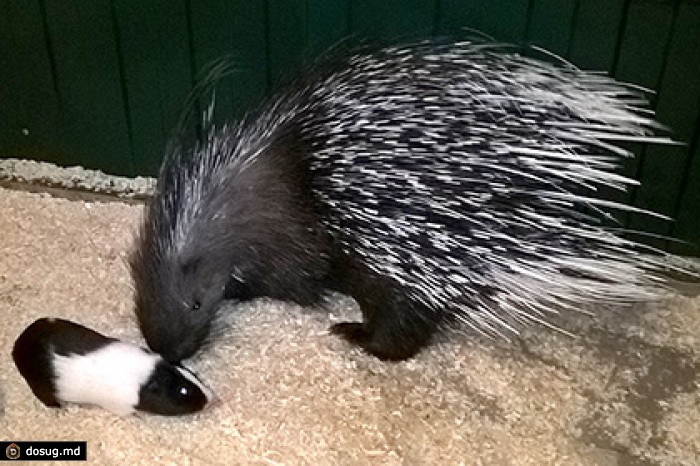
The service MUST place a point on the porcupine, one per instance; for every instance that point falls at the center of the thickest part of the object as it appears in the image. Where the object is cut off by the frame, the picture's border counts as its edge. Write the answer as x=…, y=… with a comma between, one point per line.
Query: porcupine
x=438, y=184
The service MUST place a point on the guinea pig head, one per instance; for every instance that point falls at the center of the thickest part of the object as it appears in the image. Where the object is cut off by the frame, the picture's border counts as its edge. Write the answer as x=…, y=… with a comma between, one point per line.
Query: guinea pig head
x=171, y=391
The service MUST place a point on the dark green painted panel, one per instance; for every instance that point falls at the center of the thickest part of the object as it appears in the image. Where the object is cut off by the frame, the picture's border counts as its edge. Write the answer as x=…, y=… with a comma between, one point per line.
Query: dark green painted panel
x=156, y=73
x=393, y=20
x=30, y=124
x=504, y=20
x=328, y=23
x=645, y=34
x=595, y=35
x=87, y=66
x=236, y=29
x=592, y=45
x=662, y=167
x=549, y=25
x=665, y=171
x=640, y=60
x=288, y=37
x=687, y=226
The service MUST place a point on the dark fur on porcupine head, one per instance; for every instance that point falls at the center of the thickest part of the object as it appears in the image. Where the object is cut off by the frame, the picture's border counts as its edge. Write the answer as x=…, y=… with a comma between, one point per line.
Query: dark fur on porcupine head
x=436, y=183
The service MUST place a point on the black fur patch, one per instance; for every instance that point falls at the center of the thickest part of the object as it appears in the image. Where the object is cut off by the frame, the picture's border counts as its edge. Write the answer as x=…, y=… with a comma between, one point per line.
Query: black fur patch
x=169, y=393
x=35, y=348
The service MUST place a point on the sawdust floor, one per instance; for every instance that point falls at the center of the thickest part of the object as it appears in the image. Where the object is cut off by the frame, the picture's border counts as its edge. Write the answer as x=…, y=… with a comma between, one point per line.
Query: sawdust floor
x=626, y=392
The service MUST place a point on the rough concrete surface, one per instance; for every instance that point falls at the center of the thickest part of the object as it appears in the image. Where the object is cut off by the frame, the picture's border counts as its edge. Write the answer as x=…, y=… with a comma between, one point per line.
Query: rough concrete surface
x=626, y=391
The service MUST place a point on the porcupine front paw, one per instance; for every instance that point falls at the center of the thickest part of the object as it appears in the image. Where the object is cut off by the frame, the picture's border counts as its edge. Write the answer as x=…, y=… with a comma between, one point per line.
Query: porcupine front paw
x=354, y=332
x=385, y=345
x=357, y=334
x=393, y=326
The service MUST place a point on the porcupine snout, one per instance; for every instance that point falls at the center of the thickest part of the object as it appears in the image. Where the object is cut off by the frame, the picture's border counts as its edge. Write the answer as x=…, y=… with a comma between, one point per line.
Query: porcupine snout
x=176, y=300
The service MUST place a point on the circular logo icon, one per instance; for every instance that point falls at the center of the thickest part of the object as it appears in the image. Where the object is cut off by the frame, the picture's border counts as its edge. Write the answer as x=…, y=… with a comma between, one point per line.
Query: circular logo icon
x=12, y=451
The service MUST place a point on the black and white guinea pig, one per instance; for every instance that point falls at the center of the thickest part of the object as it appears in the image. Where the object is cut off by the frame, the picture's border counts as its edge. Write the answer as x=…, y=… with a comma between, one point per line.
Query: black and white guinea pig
x=64, y=362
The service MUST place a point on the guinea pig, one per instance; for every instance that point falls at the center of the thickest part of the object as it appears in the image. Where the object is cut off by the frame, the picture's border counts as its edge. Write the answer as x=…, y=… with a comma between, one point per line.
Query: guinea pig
x=64, y=362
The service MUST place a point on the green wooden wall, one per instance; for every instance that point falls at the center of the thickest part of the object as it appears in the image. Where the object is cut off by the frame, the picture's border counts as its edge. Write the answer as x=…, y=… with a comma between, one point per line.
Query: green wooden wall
x=101, y=83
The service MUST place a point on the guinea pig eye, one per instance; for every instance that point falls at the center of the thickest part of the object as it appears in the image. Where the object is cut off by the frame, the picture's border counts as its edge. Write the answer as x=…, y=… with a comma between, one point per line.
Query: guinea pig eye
x=196, y=305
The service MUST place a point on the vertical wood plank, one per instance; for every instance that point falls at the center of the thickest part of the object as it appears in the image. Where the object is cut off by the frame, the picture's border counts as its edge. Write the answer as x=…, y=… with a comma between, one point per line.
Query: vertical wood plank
x=328, y=23
x=592, y=45
x=236, y=29
x=504, y=20
x=393, y=20
x=88, y=79
x=646, y=31
x=665, y=169
x=594, y=36
x=287, y=38
x=687, y=225
x=31, y=122
x=640, y=59
x=156, y=73
x=550, y=25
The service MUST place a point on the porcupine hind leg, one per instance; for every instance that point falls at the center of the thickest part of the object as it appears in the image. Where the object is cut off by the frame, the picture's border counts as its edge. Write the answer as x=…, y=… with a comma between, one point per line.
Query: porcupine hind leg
x=393, y=327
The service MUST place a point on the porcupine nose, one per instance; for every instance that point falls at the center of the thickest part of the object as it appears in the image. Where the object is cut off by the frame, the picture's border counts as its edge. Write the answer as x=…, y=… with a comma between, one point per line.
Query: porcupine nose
x=177, y=346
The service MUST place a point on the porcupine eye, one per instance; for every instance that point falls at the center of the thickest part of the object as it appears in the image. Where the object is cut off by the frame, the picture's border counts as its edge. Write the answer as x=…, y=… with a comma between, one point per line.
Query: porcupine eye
x=190, y=269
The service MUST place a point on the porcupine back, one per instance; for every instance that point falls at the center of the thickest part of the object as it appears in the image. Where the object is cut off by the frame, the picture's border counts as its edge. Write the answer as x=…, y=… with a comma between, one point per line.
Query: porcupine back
x=463, y=177
x=471, y=178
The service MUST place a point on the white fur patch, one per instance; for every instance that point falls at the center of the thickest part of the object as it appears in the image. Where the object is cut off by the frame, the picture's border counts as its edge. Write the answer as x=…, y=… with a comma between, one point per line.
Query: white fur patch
x=110, y=377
